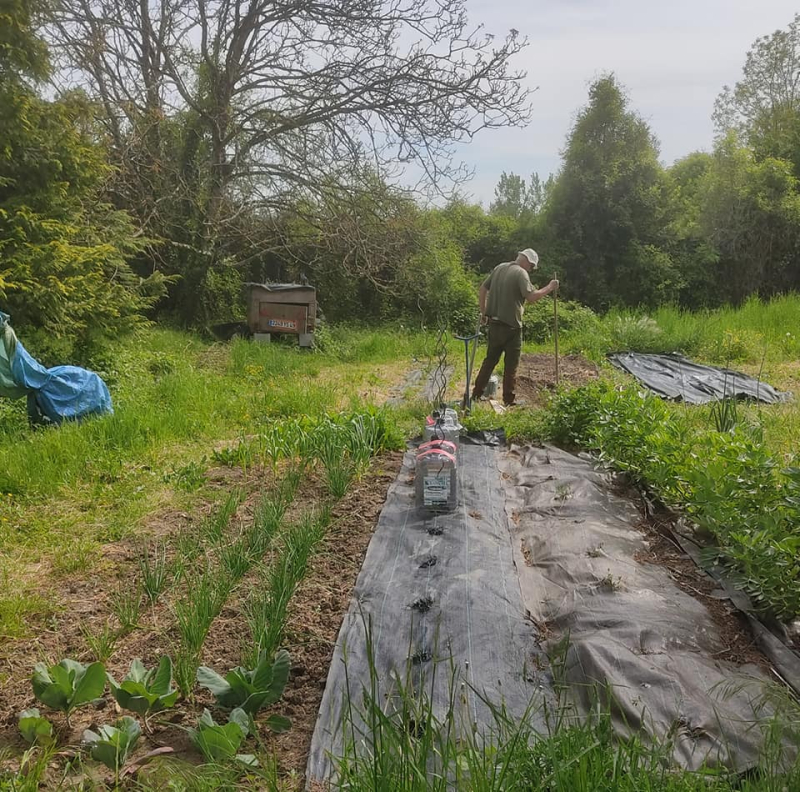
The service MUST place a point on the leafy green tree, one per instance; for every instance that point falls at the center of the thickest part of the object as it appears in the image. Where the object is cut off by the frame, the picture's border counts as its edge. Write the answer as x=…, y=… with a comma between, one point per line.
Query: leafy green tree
x=63, y=253
x=607, y=216
x=516, y=198
x=694, y=255
x=764, y=106
x=484, y=240
x=751, y=215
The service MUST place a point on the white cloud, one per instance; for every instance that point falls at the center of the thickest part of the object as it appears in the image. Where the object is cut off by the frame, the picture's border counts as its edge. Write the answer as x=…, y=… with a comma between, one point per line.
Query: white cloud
x=673, y=57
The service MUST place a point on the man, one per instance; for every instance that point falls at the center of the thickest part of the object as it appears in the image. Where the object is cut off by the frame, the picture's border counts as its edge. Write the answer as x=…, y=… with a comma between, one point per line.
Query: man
x=502, y=299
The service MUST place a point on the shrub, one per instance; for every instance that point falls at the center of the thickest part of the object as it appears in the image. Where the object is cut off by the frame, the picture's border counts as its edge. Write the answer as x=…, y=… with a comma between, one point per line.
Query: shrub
x=573, y=318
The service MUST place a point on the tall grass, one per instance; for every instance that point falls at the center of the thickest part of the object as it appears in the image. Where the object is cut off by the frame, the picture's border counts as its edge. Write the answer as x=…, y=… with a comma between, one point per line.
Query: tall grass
x=743, y=334
x=413, y=746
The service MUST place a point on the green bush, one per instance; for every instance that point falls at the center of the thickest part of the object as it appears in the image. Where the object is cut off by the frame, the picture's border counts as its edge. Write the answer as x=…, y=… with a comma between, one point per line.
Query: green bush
x=728, y=482
x=573, y=318
x=630, y=333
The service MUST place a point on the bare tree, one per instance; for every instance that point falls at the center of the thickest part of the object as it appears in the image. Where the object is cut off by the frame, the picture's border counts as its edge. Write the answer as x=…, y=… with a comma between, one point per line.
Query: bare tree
x=229, y=110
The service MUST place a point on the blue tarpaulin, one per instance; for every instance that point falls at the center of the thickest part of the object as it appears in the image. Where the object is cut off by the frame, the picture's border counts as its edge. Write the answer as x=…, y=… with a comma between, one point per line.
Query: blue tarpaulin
x=55, y=394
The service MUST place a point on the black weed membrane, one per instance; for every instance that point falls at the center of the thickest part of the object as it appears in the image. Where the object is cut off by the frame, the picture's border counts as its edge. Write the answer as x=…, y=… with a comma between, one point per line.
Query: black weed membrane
x=676, y=377
x=434, y=589
x=495, y=646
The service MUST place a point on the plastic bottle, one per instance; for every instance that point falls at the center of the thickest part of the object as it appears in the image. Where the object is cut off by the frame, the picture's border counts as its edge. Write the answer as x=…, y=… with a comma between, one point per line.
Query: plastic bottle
x=436, y=479
x=444, y=445
x=443, y=425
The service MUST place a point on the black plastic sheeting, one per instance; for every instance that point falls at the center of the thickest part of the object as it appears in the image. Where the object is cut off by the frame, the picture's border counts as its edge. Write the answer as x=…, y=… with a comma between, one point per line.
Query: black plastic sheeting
x=438, y=594
x=634, y=636
x=541, y=544
x=676, y=377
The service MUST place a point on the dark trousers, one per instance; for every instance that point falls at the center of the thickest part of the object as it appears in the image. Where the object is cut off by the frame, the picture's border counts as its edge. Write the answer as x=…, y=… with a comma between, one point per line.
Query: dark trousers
x=502, y=340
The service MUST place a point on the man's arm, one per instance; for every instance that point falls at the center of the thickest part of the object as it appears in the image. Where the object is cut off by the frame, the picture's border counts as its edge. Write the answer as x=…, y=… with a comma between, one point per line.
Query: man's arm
x=537, y=295
x=483, y=293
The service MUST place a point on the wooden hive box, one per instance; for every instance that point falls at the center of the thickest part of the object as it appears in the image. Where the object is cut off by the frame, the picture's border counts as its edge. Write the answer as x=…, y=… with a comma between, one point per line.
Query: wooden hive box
x=282, y=308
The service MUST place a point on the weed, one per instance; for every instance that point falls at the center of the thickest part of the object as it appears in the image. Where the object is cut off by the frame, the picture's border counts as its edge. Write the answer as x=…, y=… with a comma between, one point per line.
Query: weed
x=241, y=455
x=188, y=478
x=79, y=556
x=563, y=492
x=611, y=583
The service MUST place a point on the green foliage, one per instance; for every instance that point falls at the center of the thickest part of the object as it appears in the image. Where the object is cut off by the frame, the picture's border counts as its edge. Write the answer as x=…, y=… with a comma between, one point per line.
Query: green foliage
x=34, y=728
x=126, y=603
x=630, y=333
x=101, y=641
x=573, y=318
x=607, y=214
x=516, y=198
x=266, y=609
x=65, y=251
x=22, y=52
x=154, y=570
x=112, y=745
x=68, y=685
x=728, y=482
x=144, y=691
x=251, y=690
x=221, y=743
x=763, y=107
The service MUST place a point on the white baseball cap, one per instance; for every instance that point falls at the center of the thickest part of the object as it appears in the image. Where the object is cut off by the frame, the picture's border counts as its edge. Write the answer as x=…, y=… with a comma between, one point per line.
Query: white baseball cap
x=531, y=255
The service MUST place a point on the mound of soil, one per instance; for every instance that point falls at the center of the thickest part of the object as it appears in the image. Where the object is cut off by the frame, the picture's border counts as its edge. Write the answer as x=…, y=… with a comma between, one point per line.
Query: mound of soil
x=537, y=374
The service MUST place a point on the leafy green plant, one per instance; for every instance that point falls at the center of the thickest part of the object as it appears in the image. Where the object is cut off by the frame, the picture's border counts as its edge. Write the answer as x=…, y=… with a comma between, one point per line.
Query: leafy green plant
x=188, y=478
x=252, y=690
x=112, y=745
x=144, y=691
x=68, y=685
x=35, y=728
x=220, y=743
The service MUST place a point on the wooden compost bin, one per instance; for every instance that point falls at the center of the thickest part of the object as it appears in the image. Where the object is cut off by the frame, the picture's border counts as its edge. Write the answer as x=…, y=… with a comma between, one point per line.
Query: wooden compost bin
x=282, y=309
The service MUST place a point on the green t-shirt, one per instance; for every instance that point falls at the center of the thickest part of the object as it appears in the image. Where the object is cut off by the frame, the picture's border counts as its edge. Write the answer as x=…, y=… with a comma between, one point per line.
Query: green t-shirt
x=509, y=286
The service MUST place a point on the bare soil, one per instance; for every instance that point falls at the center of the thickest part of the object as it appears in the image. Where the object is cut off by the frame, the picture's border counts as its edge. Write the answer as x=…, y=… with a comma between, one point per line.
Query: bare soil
x=536, y=376
x=316, y=614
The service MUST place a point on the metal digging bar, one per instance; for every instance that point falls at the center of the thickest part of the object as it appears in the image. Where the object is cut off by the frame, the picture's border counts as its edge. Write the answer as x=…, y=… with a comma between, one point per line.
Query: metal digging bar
x=470, y=361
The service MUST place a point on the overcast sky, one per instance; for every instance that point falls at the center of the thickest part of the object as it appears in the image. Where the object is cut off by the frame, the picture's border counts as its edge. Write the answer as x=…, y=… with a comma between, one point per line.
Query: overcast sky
x=673, y=56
